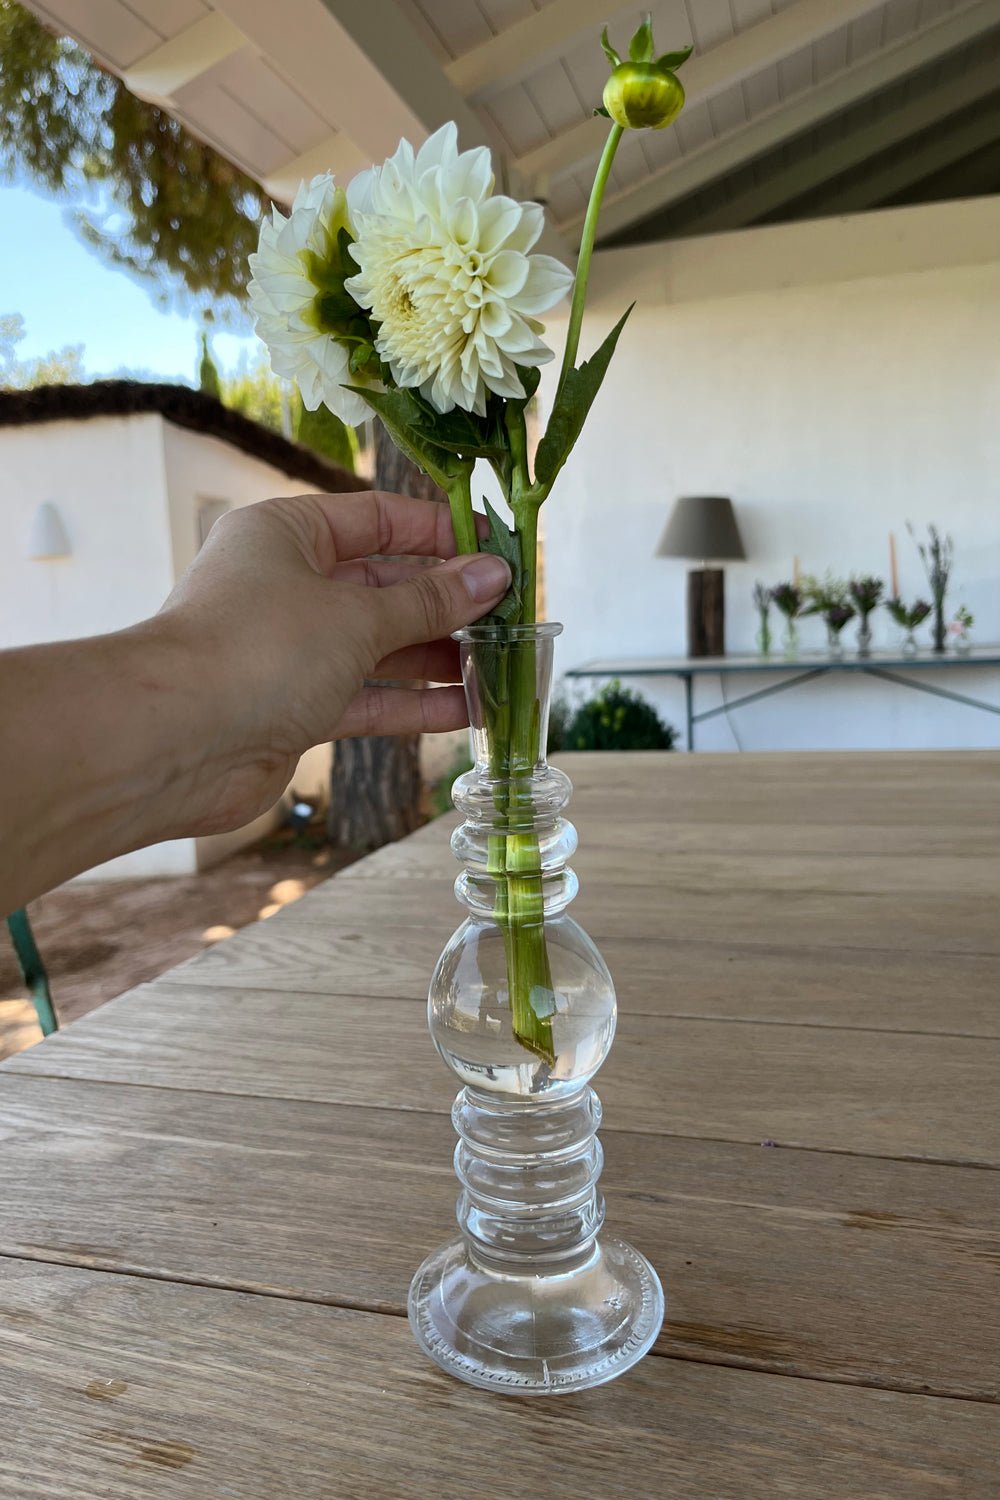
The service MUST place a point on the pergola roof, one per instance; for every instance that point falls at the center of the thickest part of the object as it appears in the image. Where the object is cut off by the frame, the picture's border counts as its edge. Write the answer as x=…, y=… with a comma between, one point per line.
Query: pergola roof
x=795, y=106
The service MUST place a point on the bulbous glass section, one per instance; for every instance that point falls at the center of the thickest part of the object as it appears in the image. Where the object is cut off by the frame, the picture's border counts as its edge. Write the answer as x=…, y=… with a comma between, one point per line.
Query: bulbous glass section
x=471, y=1021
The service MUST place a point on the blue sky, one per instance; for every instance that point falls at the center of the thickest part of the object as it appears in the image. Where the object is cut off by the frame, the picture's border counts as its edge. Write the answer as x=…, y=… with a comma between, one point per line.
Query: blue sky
x=68, y=295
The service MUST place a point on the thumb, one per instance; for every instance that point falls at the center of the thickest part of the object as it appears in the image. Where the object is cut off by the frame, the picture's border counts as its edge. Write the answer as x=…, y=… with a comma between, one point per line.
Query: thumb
x=438, y=600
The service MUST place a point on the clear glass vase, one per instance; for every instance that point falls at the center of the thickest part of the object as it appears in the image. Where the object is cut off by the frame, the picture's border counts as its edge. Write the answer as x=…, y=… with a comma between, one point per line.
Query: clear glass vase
x=864, y=637
x=532, y=1298
x=834, y=644
x=790, y=638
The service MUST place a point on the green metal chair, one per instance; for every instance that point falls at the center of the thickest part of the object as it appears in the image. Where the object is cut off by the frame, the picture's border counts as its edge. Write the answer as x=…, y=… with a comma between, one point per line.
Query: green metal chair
x=30, y=963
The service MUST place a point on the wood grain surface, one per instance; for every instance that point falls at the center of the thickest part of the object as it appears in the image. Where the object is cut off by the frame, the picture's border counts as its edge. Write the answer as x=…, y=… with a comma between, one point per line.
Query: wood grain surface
x=791, y=1261
x=120, y=1388
x=216, y=1188
x=821, y=1087
x=876, y=989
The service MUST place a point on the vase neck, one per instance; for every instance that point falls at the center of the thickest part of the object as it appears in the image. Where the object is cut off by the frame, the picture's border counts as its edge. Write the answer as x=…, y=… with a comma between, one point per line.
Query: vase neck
x=507, y=673
x=514, y=841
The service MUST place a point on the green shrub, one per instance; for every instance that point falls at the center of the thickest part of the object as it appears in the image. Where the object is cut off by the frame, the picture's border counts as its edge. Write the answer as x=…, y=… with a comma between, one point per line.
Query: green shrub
x=560, y=718
x=618, y=719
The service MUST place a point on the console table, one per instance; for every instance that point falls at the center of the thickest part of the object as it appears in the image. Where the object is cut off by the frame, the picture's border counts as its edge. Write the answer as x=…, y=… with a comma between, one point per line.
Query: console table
x=792, y=672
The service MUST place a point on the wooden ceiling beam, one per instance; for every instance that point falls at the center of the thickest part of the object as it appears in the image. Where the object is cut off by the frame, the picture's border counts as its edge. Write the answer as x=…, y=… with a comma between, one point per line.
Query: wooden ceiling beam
x=365, y=70
x=159, y=75
x=936, y=155
x=529, y=44
x=860, y=146
x=710, y=73
x=803, y=112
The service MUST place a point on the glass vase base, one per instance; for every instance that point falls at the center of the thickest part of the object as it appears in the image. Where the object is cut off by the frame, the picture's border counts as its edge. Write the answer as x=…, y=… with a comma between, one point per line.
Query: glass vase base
x=537, y=1335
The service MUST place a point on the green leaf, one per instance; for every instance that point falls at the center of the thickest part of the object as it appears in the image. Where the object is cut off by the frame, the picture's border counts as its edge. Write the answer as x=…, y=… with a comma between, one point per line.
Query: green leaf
x=673, y=60
x=609, y=51
x=503, y=542
x=396, y=409
x=573, y=401
x=530, y=376
x=602, y=111
x=640, y=48
x=460, y=431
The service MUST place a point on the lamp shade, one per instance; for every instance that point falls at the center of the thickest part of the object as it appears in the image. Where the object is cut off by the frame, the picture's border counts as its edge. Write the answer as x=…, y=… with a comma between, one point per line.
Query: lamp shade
x=47, y=537
x=702, y=526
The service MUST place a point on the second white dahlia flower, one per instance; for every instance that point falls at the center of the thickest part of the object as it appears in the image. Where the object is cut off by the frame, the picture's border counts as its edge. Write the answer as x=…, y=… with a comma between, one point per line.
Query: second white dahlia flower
x=287, y=292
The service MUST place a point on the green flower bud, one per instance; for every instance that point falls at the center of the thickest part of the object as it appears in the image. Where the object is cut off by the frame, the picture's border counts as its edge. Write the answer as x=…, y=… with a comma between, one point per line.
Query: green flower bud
x=644, y=92
x=641, y=95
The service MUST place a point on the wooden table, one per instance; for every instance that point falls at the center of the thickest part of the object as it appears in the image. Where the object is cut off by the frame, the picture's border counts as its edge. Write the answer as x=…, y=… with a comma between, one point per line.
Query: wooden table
x=215, y=1189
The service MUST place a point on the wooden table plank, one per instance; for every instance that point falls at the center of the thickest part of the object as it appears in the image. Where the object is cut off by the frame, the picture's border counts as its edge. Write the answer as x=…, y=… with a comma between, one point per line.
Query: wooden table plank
x=880, y=989
x=911, y=920
x=825, y=1088
x=787, y=1261
x=134, y=1390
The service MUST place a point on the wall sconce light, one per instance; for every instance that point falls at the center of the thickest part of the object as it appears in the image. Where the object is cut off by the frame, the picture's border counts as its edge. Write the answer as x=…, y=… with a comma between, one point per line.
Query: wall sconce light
x=47, y=537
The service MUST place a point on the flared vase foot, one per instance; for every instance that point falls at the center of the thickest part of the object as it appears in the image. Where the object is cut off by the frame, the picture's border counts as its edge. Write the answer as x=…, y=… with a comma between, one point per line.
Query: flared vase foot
x=537, y=1335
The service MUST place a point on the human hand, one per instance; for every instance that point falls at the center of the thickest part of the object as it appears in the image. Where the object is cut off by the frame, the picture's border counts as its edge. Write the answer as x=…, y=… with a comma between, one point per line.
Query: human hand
x=287, y=617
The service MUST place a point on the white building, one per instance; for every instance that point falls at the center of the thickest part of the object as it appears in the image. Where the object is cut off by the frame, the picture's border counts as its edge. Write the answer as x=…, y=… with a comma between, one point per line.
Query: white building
x=122, y=482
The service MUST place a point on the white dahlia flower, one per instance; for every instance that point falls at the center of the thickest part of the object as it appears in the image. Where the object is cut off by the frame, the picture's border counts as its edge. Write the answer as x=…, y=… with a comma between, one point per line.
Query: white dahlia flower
x=286, y=293
x=446, y=273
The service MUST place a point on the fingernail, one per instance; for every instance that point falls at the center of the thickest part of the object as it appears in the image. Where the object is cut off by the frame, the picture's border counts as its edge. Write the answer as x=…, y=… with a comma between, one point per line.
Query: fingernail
x=485, y=576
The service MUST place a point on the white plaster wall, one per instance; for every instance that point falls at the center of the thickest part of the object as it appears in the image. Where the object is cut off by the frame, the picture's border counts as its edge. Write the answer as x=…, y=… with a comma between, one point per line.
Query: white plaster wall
x=200, y=468
x=836, y=379
x=106, y=478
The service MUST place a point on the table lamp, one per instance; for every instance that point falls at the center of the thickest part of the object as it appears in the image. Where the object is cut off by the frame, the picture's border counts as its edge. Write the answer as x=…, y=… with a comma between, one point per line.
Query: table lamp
x=704, y=526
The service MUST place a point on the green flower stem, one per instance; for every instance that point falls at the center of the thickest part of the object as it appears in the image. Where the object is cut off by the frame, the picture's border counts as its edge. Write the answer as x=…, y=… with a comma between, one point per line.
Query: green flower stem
x=587, y=249
x=515, y=857
x=463, y=521
x=525, y=893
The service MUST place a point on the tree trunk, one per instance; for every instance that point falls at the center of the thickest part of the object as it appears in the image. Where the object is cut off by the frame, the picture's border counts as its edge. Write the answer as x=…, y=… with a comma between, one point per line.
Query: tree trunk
x=375, y=783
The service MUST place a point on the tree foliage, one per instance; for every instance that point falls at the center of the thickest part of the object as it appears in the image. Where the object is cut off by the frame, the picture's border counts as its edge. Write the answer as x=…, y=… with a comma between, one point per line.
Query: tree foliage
x=208, y=371
x=253, y=390
x=324, y=432
x=58, y=367
x=162, y=205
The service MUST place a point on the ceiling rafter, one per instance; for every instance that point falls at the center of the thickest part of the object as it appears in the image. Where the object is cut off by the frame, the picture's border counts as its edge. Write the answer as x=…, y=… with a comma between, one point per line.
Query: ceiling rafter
x=762, y=135
x=336, y=153
x=709, y=73
x=861, y=145
x=935, y=155
x=365, y=70
x=159, y=75
x=528, y=45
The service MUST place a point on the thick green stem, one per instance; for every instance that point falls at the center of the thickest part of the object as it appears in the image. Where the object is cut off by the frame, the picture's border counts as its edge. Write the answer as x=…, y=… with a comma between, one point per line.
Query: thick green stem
x=463, y=521
x=587, y=249
x=529, y=973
